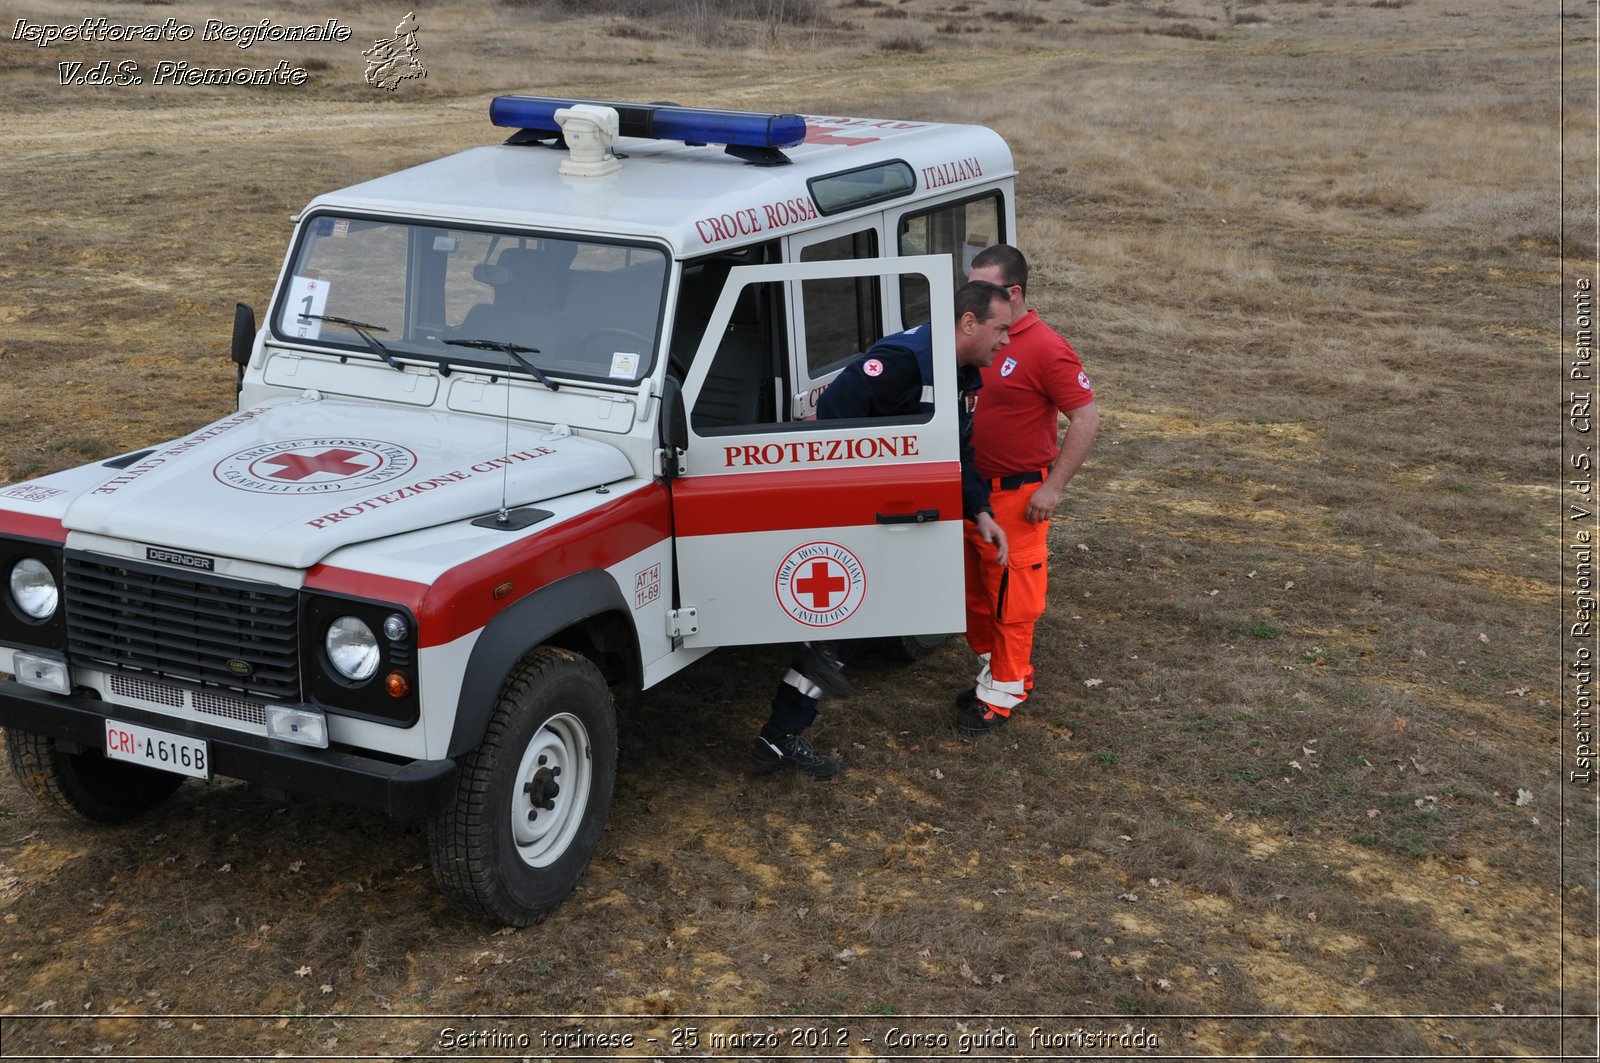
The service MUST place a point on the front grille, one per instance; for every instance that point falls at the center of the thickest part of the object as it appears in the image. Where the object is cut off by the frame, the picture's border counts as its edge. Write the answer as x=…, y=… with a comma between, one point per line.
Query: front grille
x=216, y=632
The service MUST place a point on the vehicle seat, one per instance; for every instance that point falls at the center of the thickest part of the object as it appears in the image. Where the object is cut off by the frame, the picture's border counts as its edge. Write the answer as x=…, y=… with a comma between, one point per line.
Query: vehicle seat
x=738, y=388
x=530, y=287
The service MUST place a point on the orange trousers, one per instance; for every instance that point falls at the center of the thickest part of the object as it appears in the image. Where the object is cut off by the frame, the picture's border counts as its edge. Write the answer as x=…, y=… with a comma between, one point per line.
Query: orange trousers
x=1005, y=601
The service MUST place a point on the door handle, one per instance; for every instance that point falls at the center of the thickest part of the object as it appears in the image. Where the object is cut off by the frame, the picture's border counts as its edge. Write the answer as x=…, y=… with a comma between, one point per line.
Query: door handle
x=921, y=516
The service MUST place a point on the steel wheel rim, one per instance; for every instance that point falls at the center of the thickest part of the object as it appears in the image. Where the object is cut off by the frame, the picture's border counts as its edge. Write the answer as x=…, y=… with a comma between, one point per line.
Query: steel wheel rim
x=543, y=823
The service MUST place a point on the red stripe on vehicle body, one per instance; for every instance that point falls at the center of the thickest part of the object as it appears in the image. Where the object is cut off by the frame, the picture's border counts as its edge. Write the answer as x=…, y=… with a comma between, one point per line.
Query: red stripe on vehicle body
x=353, y=584
x=32, y=527
x=821, y=498
x=462, y=600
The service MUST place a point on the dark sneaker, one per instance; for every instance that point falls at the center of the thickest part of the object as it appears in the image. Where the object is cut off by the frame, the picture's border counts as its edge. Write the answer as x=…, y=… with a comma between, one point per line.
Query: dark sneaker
x=795, y=751
x=978, y=719
x=823, y=669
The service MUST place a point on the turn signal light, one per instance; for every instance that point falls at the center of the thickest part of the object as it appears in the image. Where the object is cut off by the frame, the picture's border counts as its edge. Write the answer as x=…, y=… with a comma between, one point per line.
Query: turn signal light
x=397, y=685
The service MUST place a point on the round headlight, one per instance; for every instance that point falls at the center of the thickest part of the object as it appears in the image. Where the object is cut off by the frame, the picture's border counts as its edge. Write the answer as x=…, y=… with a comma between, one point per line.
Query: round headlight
x=352, y=648
x=34, y=589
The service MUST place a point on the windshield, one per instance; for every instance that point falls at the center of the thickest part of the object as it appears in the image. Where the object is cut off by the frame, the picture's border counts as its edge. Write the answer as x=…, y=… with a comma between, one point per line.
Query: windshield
x=583, y=309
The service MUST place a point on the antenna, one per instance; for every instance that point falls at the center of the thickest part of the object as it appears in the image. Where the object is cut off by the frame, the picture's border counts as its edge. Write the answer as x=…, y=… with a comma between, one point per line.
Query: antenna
x=503, y=516
x=523, y=516
x=504, y=519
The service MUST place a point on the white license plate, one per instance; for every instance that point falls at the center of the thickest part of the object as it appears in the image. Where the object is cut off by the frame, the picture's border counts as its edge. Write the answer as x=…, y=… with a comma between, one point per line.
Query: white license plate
x=158, y=749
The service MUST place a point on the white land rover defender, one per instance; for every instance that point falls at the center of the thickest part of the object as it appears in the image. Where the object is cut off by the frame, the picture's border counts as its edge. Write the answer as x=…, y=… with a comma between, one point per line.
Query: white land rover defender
x=527, y=428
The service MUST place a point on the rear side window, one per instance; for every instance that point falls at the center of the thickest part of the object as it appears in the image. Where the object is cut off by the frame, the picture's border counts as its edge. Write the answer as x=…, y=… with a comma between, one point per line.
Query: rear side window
x=862, y=187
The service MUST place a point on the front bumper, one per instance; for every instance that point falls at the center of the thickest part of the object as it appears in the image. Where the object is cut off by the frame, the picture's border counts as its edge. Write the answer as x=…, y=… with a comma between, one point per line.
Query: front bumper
x=408, y=790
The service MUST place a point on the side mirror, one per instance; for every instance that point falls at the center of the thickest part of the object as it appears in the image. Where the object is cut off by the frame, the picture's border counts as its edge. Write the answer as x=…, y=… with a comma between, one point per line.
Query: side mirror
x=673, y=426
x=244, y=340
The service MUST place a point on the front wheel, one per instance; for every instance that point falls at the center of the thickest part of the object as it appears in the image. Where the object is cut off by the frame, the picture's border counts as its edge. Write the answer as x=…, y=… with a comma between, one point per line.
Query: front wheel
x=533, y=797
x=85, y=785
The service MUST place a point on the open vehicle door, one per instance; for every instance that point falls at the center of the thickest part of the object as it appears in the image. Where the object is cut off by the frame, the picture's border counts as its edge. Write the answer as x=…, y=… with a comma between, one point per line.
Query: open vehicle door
x=791, y=530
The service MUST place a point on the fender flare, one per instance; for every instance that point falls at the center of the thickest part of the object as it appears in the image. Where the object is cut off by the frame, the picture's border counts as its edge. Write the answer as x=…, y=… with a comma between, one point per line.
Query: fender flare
x=528, y=623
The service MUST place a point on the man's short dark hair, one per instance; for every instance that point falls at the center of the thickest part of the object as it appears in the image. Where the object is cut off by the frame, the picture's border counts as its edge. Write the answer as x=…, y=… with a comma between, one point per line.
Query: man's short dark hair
x=1013, y=267
x=978, y=298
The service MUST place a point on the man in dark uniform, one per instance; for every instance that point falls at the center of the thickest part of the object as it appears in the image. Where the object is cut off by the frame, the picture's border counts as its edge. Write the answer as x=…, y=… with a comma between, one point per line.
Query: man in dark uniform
x=894, y=378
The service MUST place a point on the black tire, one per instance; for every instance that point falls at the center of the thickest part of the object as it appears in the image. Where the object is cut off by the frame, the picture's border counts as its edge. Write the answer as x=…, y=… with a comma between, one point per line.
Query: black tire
x=551, y=750
x=916, y=647
x=86, y=785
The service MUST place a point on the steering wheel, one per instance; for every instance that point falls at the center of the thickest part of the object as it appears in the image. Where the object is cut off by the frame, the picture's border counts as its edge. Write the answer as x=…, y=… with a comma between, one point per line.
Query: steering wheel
x=598, y=346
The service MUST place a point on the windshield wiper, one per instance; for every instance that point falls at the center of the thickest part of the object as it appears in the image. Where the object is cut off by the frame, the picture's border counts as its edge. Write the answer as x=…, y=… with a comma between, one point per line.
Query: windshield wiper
x=515, y=350
x=360, y=328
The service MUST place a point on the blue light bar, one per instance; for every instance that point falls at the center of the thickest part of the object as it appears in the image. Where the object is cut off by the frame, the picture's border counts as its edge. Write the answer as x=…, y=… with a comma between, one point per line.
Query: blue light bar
x=692, y=125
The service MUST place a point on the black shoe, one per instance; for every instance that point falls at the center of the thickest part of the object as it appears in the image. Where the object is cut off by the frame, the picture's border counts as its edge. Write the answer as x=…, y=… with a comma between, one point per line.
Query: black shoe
x=823, y=669
x=966, y=699
x=796, y=751
x=978, y=719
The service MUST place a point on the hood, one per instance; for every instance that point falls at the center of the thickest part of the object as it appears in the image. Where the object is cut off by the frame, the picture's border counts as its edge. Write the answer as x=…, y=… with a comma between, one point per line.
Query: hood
x=277, y=484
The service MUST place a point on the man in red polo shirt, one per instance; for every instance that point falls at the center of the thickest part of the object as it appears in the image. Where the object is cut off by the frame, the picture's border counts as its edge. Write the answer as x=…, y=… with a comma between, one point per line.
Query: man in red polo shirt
x=1020, y=450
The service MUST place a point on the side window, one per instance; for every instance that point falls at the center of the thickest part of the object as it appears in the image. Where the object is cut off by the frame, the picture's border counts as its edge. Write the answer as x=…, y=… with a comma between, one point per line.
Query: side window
x=842, y=315
x=959, y=230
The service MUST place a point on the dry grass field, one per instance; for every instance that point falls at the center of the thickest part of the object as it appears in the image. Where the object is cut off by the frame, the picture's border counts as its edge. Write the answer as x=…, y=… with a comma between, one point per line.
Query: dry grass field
x=1292, y=780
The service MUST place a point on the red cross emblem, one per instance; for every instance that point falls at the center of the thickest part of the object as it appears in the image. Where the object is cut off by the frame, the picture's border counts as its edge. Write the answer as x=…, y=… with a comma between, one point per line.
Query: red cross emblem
x=817, y=135
x=314, y=466
x=821, y=584
x=297, y=467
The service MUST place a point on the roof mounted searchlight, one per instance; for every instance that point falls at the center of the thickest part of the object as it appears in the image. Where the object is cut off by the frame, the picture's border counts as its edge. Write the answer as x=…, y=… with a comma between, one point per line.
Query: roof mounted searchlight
x=589, y=132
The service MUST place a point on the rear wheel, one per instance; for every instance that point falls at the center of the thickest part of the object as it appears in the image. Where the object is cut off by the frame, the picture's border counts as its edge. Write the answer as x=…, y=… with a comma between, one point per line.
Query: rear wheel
x=916, y=647
x=85, y=785
x=532, y=798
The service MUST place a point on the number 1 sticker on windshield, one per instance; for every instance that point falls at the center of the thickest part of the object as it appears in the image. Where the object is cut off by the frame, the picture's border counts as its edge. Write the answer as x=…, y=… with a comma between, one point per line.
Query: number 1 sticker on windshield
x=303, y=306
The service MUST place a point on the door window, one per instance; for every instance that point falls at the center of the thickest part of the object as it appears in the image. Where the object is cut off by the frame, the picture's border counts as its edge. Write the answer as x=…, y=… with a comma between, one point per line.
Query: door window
x=959, y=230
x=842, y=315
